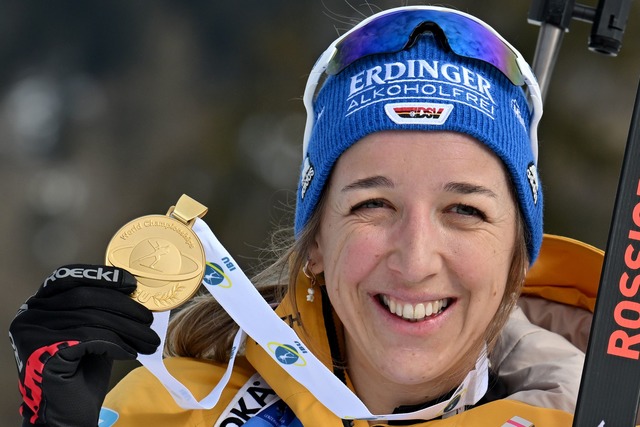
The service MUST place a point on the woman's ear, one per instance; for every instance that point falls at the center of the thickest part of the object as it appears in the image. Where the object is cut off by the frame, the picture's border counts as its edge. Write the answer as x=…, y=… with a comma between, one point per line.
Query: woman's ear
x=316, y=258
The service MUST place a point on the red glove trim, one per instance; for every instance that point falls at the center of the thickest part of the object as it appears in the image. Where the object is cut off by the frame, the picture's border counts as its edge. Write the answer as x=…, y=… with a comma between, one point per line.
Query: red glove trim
x=31, y=390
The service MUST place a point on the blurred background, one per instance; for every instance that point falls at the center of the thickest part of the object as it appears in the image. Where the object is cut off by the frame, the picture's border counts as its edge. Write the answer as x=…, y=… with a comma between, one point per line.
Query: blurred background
x=112, y=110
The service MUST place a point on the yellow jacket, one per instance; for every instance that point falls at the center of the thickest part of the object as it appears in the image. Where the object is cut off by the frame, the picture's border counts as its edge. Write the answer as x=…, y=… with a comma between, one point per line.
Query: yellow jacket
x=565, y=278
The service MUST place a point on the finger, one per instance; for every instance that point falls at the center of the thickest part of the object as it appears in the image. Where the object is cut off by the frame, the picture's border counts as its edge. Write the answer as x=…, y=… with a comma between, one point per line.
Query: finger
x=70, y=276
x=82, y=297
x=98, y=347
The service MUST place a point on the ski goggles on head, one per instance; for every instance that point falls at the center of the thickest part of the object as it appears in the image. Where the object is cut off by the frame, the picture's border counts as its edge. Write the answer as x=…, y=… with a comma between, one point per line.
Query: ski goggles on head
x=393, y=30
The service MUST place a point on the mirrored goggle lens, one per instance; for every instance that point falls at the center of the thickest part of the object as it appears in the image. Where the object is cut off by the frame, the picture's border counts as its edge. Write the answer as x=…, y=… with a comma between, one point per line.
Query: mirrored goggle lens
x=392, y=32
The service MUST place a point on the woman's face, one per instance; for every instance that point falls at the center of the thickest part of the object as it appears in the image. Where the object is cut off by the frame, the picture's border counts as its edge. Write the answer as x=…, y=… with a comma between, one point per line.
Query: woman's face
x=415, y=243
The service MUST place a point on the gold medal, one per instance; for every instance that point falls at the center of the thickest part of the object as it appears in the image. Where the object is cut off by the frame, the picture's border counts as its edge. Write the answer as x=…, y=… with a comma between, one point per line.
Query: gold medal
x=163, y=253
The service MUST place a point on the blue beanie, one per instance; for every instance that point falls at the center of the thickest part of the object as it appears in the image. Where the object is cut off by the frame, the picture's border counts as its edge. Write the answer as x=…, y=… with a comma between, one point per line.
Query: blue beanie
x=423, y=87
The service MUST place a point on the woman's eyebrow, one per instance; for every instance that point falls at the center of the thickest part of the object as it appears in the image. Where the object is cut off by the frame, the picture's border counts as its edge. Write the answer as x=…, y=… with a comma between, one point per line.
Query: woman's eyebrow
x=369, y=182
x=467, y=188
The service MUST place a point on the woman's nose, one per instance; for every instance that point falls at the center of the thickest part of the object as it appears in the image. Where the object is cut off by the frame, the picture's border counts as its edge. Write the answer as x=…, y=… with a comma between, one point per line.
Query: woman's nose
x=416, y=243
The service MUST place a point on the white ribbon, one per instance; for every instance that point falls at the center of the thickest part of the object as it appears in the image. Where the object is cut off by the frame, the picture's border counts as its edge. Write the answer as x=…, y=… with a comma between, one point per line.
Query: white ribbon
x=236, y=294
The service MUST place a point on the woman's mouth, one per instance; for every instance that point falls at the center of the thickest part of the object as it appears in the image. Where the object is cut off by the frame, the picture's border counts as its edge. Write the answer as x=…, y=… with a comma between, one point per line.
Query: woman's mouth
x=414, y=312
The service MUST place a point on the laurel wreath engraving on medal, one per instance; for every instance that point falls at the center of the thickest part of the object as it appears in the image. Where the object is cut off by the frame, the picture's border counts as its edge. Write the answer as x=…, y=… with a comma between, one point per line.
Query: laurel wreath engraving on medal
x=162, y=299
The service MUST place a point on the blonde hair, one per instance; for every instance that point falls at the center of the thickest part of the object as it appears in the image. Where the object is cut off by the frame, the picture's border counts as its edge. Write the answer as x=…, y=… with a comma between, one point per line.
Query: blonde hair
x=202, y=329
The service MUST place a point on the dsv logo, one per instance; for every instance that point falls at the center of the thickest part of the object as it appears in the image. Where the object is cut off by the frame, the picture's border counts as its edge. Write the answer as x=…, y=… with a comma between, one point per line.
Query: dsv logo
x=418, y=113
x=214, y=275
x=287, y=354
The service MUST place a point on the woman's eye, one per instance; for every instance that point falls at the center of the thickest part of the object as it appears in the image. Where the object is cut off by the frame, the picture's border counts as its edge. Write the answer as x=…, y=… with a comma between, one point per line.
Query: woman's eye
x=467, y=210
x=369, y=204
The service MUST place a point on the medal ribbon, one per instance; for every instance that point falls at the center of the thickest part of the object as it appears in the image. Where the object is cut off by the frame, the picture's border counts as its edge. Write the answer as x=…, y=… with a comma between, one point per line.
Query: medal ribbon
x=228, y=285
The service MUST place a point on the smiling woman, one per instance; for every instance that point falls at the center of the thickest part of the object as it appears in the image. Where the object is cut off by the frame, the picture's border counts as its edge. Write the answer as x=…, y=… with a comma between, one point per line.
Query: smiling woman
x=418, y=216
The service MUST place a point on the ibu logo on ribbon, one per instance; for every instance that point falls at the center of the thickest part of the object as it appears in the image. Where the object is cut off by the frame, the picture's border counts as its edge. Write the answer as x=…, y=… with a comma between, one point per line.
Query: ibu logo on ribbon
x=214, y=275
x=288, y=354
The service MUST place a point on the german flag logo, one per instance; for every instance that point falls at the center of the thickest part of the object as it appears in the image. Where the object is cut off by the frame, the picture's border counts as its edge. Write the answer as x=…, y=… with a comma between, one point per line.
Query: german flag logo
x=418, y=113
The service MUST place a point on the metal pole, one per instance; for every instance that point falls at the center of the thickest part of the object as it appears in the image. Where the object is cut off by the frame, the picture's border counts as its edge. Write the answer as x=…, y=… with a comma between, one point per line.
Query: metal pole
x=544, y=60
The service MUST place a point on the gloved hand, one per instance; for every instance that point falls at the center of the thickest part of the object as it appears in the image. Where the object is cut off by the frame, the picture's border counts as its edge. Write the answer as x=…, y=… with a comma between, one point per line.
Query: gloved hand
x=66, y=337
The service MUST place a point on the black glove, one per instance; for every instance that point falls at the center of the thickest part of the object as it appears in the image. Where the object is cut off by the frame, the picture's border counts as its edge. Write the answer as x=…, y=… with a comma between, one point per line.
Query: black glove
x=66, y=337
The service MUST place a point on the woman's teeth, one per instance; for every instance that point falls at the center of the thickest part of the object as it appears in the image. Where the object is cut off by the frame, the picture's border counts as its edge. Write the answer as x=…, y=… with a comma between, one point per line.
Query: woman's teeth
x=414, y=312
